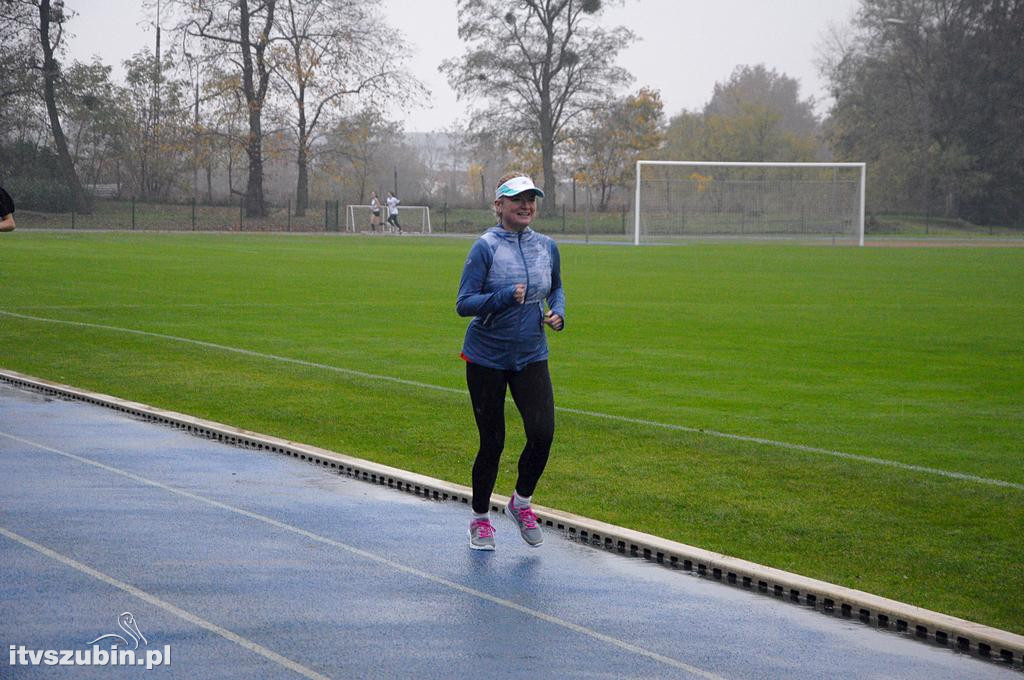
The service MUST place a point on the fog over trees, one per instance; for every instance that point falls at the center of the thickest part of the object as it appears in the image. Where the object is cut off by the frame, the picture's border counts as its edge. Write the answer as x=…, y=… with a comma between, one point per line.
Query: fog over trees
x=286, y=102
x=930, y=93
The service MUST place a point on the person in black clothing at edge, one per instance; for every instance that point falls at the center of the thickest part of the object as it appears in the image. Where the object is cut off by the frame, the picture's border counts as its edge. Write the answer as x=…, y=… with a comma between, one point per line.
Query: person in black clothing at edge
x=6, y=211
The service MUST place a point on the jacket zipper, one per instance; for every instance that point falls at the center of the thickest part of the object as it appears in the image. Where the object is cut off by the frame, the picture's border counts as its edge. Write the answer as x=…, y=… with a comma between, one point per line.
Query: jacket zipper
x=522, y=308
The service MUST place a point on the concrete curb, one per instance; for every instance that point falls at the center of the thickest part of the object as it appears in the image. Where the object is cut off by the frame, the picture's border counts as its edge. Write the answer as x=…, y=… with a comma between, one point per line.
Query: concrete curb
x=966, y=636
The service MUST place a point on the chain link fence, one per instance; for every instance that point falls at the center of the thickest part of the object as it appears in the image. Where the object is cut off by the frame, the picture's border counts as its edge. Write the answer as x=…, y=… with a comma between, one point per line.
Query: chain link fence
x=323, y=216
x=135, y=215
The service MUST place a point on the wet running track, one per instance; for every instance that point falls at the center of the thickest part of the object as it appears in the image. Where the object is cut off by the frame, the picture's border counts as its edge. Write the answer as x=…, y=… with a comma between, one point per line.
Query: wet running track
x=245, y=564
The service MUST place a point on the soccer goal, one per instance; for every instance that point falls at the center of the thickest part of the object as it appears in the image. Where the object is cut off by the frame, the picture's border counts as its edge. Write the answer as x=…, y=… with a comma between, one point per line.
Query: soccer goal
x=412, y=218
x=677, y=200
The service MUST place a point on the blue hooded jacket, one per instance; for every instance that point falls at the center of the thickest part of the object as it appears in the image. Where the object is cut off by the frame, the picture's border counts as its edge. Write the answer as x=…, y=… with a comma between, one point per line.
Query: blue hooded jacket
x=503, y=334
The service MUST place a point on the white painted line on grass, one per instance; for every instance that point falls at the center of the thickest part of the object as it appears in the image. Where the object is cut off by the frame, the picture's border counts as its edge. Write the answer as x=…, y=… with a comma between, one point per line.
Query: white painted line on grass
x=237, y=350
x=397, y=566
x=283, y=661
x=592, y=414
x=801, y=447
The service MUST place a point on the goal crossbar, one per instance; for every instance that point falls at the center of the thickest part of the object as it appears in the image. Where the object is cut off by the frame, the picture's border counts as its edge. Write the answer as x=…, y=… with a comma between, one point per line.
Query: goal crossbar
x=861, y=167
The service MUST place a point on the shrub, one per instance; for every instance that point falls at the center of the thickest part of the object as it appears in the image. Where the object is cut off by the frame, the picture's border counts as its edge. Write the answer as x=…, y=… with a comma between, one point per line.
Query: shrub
x=44, y=195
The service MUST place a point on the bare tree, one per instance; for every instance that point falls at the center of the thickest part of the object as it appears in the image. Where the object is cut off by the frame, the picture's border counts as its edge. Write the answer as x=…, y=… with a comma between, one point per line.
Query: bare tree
x=37, y=27
x=330, y=50
x=238, y=35
x=50, y=40
x=94, y=110
x=224, y=129
x=540, y=65
x=19, y=83
x=156, y=133
x=16, y=51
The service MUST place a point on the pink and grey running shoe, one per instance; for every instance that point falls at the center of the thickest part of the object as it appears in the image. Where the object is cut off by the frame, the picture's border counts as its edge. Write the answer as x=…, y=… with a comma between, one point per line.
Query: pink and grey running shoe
x=481, y=534
x=526, y=520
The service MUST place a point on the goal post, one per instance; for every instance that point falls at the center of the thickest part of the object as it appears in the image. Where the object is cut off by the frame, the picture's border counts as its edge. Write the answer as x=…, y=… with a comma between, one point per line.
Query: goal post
x=413, y=218
x=677, y=200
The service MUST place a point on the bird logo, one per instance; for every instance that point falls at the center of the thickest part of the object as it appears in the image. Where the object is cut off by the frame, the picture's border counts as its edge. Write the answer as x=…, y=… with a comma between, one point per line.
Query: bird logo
x=127, y=623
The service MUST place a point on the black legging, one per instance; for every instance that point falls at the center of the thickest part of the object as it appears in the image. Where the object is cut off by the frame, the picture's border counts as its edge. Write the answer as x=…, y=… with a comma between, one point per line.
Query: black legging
x=531, y=391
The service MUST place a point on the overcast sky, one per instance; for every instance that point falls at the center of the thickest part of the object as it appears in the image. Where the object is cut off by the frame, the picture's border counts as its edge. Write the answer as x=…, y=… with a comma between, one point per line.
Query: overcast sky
x=685, y=46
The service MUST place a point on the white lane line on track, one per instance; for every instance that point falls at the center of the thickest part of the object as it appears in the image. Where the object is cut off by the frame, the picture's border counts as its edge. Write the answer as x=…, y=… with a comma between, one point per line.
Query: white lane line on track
x=397, y=566
x=592, y=414
x=282, y=661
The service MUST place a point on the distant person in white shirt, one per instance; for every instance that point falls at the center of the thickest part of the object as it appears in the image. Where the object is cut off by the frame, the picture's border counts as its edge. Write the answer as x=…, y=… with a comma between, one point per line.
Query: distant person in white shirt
x=374, y=211
x=392, y=202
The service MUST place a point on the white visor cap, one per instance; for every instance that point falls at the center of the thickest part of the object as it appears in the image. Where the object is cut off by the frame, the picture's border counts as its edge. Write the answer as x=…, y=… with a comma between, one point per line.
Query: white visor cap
x=516, y=186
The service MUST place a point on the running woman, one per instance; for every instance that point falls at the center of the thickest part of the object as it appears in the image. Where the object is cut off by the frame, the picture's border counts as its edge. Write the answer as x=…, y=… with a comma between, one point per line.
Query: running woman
x=374, y=211
x=510, y=272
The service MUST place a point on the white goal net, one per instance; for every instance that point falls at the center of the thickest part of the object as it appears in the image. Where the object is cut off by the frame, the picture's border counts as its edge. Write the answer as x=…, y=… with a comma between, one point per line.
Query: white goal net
x=411, y=218
x=678, y=200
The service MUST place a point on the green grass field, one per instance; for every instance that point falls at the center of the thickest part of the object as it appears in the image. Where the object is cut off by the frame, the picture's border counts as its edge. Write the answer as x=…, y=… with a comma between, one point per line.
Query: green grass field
x=914, y=356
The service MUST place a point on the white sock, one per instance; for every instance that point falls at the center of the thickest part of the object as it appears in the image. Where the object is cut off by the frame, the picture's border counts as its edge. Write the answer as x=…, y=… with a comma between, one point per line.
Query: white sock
x=520, y=501
x=480, y=516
